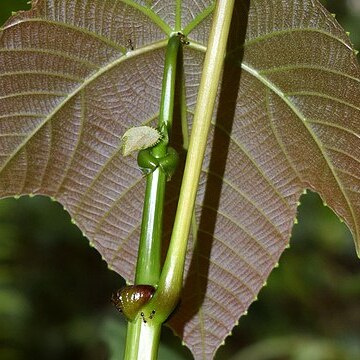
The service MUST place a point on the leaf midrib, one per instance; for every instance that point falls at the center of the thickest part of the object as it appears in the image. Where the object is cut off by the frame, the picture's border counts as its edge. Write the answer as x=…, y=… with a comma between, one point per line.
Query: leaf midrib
x=93, y=34
x=150, y=14
x=87, y=81
x=277, y=33
x=291, y=67
x=299, y=115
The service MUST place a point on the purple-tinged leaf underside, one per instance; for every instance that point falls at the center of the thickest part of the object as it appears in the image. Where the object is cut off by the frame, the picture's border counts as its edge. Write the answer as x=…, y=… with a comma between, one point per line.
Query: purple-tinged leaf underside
x=75, y=75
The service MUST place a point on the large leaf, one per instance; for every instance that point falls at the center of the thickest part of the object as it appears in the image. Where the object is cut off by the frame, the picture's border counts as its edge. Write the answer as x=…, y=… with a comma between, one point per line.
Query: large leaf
x=287, y=119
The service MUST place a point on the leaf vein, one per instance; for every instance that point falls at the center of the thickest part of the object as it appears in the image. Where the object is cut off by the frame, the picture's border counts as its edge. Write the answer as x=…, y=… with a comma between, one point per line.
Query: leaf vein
x=86, y=82
x=255, y=166
x=300, y=116
x=249, y=200
x=238, y=255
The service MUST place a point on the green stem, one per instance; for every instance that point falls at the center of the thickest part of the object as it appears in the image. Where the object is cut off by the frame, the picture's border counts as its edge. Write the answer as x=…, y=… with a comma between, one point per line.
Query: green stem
x=168, y=292
x=142, y=341
x=167, y=96
x=149, y=254
x=143, y=338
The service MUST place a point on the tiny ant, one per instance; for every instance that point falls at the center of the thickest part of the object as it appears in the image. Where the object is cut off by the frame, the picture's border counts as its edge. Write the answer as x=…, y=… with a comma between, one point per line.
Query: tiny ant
x=130, y=45
x=150, y=316
x=183, y=38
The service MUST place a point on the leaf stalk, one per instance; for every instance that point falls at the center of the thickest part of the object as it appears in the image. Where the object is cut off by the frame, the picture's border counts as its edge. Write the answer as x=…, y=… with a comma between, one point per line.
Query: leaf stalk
x=143, y=338
x=169, y=288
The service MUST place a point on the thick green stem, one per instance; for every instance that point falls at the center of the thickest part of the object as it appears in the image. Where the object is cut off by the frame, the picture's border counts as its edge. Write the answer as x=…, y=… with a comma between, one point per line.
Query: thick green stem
x=168, y=293
x=149, y=255
x=148, y=263
x=142, y=339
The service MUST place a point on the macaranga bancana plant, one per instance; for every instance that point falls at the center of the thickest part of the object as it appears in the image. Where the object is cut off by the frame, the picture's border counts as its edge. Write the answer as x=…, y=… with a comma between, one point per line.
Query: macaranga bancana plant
x=229, y=109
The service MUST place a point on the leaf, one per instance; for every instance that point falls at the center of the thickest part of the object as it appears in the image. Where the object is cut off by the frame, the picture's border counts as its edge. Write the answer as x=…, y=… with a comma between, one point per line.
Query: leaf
x=287, y=119
x=138, y=138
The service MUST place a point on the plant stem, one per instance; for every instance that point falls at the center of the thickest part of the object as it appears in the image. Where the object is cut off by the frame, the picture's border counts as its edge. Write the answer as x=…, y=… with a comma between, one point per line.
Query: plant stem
x=143, y=338
x=168, y=293
x=148, y=262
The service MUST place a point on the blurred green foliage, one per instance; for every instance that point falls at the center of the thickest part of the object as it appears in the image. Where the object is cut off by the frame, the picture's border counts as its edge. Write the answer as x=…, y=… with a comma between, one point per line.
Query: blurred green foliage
x=55, y=289
x=7, y=6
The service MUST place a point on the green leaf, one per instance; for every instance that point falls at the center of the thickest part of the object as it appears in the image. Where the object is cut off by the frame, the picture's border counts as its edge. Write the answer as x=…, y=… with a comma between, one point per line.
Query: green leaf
x=75, y=75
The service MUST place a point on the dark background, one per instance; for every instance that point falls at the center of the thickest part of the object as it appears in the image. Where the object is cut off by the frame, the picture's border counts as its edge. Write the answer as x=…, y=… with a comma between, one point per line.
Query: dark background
x=55, y=288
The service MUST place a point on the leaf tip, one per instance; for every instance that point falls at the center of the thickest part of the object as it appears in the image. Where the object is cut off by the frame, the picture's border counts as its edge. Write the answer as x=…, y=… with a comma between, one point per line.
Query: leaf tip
x=333, y=15
x=52, y=198
x=296, y=221
x=17, y=197
x=276, y=265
